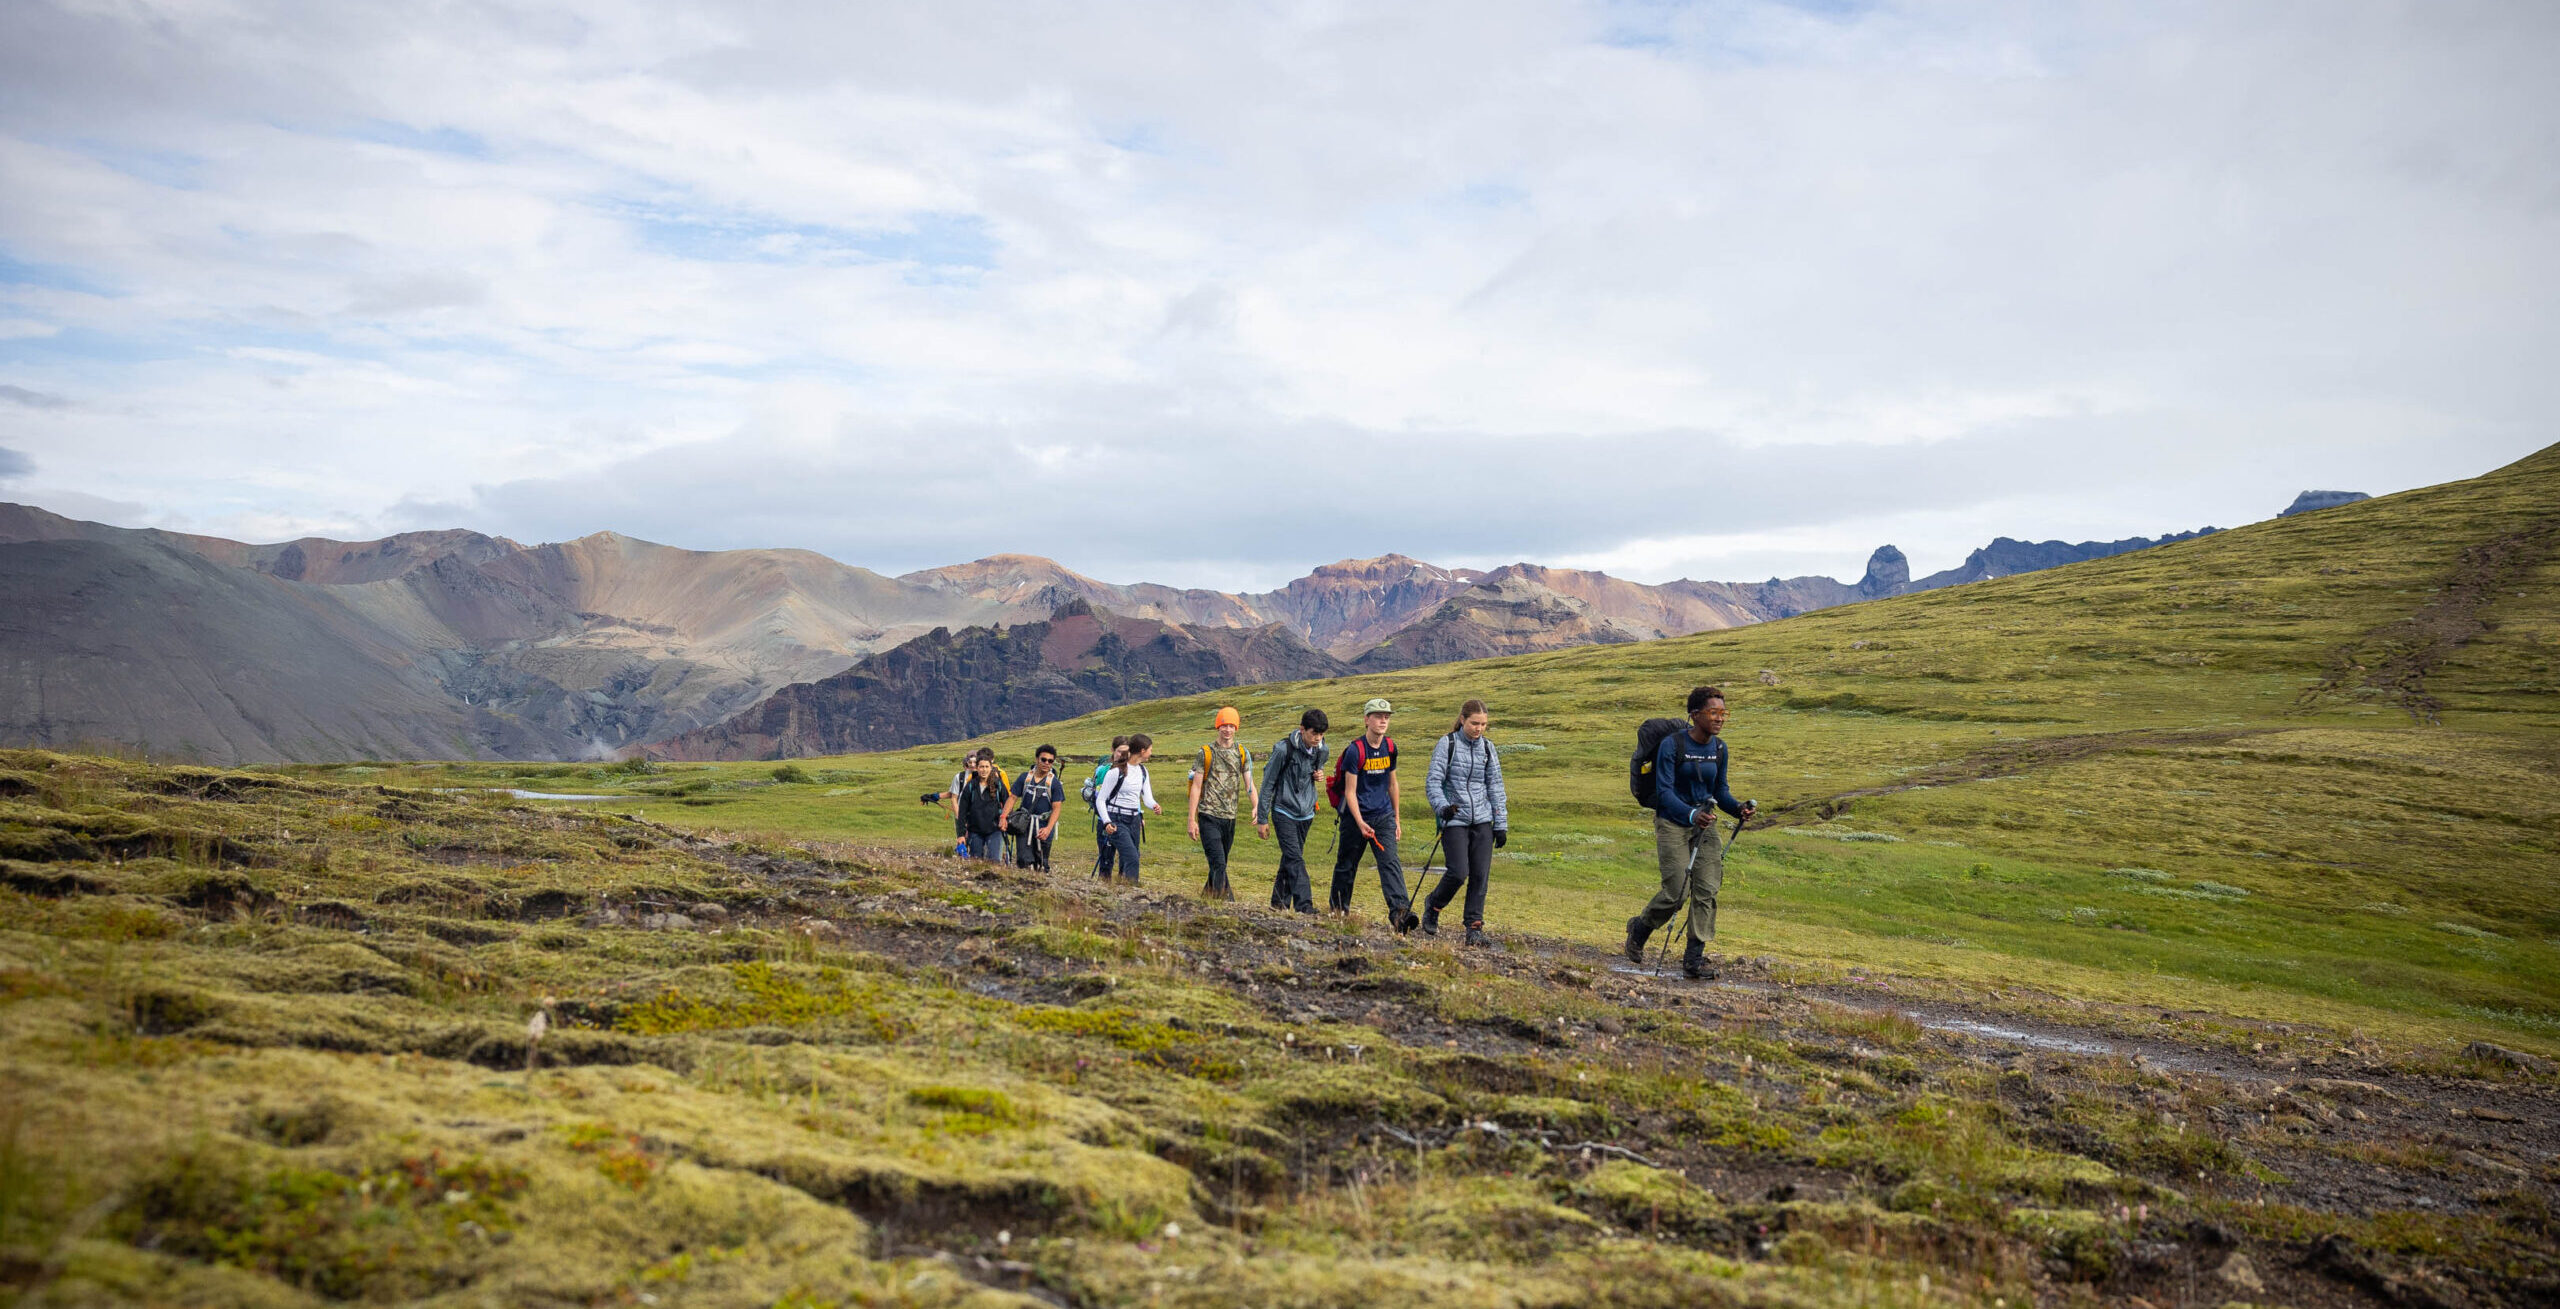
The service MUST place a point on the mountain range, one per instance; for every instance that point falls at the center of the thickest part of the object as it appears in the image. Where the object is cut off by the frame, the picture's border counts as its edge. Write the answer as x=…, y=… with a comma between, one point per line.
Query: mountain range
x=454, y=644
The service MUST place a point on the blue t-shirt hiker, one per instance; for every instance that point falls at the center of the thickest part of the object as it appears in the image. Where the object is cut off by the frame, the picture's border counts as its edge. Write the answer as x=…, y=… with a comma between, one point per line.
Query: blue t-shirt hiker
x=1368, y=801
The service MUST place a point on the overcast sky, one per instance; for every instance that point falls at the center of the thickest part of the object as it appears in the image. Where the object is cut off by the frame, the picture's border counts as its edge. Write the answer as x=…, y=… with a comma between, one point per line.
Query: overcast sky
x=1209, y=294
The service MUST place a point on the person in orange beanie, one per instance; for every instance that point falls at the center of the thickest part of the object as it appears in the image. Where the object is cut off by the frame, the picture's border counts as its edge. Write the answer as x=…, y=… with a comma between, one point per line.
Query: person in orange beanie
x=1221, y=780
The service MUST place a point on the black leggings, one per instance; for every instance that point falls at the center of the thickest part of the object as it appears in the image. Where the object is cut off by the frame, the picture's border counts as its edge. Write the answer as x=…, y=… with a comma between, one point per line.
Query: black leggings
x=1470, y=849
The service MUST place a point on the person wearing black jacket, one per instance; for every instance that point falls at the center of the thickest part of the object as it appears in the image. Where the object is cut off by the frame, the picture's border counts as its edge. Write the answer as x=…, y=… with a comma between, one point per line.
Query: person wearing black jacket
x=982, y=801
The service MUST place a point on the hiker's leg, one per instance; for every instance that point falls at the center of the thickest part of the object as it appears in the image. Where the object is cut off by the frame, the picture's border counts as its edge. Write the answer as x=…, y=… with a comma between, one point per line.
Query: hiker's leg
x=1478, y=841
x=1453, y=872
x=1391, y=872
x=1671, y=854
x=1216, y=836
x=1705, y=881
x=1296, y=890
x=1437, y=895
x=1133, y=838
x=1346, y=861
x=1290, y=852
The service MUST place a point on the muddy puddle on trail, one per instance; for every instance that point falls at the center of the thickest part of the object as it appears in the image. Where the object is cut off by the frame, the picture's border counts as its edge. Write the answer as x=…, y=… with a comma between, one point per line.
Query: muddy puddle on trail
x=2010, y=1033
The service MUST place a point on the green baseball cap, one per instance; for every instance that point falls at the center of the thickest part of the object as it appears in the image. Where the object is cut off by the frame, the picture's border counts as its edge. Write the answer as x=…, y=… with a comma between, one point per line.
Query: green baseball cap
x=1377, y=706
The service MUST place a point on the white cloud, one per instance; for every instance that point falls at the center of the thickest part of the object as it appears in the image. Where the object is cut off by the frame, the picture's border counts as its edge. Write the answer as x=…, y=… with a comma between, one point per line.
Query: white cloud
x=2107, y=271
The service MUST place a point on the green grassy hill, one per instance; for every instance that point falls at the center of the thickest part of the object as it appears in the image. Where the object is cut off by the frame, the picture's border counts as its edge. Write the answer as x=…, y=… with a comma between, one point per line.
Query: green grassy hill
x=2301, y=768
x=2119, y=937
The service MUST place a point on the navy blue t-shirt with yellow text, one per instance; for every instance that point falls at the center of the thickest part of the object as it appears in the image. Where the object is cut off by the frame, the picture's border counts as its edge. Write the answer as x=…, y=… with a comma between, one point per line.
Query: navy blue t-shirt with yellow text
x=1368, y=775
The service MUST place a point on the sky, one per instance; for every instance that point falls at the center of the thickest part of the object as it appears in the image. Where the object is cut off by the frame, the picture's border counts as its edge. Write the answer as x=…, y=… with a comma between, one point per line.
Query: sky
x=1208, y=293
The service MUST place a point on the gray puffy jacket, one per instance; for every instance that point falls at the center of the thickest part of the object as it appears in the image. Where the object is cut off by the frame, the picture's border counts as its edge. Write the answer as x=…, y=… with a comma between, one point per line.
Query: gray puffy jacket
x=1467, y=774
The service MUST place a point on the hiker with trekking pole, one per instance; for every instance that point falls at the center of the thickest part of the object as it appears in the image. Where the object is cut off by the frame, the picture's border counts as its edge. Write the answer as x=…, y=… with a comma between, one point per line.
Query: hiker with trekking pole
x=1031, y=817
x=1220, y=778
x=1683, y=775
x=1287, y=807
x=1464, y=786
x=1121, y=802
x=1369, y=803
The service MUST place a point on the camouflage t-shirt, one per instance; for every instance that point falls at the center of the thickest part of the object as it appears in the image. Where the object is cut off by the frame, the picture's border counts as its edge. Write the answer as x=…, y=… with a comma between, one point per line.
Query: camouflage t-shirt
x=1223, y=788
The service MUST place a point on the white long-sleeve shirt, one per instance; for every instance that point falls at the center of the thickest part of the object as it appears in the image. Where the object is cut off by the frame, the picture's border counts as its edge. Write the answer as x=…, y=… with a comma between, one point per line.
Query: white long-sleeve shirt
x=1123, y=793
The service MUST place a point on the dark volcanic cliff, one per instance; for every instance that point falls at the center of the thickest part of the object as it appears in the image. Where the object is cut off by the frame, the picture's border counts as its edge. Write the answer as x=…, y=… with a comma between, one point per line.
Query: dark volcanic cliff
x=949, y=686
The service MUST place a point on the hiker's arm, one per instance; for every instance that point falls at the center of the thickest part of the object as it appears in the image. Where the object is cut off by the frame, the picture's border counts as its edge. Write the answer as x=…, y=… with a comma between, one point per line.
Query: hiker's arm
x=1435, y=779
x=1395, y=802
x=1724, y=790
x=1262, y=794
x=1252, y=789
x=1351, y=797
x=1194, y=787
x=1501, y=797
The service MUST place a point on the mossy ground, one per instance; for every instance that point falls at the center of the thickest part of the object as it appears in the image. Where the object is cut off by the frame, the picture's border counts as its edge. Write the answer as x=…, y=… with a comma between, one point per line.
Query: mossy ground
x=2299, y=770
x=274, y=1049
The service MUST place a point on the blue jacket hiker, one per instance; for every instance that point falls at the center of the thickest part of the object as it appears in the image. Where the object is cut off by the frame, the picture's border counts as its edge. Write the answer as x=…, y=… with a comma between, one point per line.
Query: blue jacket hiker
x=1692, y=773
x=1287, y=806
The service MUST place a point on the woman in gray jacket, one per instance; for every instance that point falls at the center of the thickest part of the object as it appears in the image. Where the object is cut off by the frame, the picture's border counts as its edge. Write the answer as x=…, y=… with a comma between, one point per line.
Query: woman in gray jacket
x=1465, y=787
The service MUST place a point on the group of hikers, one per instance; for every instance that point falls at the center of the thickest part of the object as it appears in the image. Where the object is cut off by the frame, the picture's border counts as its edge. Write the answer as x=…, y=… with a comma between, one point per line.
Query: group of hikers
x=1680, y=771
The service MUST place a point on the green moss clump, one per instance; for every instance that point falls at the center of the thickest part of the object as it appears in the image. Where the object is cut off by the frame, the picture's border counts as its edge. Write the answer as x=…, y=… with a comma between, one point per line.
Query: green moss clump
x=766, y=996
x=411, y=1227
x=1647, y=1199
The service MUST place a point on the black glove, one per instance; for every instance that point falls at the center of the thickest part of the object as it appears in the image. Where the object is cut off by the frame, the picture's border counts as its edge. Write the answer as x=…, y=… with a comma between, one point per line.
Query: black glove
x=1501, y=837
x=1447, y=812
x=932, y=797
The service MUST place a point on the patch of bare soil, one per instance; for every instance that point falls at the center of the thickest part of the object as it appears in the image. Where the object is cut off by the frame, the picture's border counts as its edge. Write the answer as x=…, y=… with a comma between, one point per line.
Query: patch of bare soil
x=2395, y=658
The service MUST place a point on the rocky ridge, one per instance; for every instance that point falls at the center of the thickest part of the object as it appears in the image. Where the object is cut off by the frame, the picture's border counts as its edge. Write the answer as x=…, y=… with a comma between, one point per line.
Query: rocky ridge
x=947, y=686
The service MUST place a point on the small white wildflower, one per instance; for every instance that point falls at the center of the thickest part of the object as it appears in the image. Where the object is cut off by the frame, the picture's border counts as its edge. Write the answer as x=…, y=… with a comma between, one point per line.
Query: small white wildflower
x=1173, y=1231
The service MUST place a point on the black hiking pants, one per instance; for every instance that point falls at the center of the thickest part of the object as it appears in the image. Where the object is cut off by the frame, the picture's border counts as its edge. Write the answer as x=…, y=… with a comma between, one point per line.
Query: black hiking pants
x=1470, y=847
x=1346, y=866
x=1291, y=889
x=1217, y=837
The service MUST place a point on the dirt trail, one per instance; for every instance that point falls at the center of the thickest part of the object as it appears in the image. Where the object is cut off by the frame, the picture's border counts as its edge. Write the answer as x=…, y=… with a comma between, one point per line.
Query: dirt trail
x=2396, y=657
x=2009, y=758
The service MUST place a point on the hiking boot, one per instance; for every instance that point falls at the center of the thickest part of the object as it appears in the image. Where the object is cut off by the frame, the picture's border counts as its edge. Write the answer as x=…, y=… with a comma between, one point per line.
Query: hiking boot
x=1476, y=937
x=1637, y=935
x=1694, y=965
x=1408, y=921
x=1430, y=921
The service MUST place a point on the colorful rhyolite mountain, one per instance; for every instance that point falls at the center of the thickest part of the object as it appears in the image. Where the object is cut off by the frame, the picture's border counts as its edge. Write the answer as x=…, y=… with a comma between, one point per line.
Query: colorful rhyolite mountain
x=454, y=644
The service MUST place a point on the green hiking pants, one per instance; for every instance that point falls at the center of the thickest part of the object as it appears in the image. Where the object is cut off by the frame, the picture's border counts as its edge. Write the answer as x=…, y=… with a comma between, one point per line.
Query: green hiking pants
x=1692, y=861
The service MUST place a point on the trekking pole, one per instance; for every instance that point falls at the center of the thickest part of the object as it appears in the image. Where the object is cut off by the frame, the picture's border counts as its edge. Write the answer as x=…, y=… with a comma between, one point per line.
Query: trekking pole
x=1436, y=833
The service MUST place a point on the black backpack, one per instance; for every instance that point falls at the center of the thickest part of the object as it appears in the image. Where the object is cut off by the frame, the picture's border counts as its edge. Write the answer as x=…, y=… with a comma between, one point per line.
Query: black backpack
x=1640, y=764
